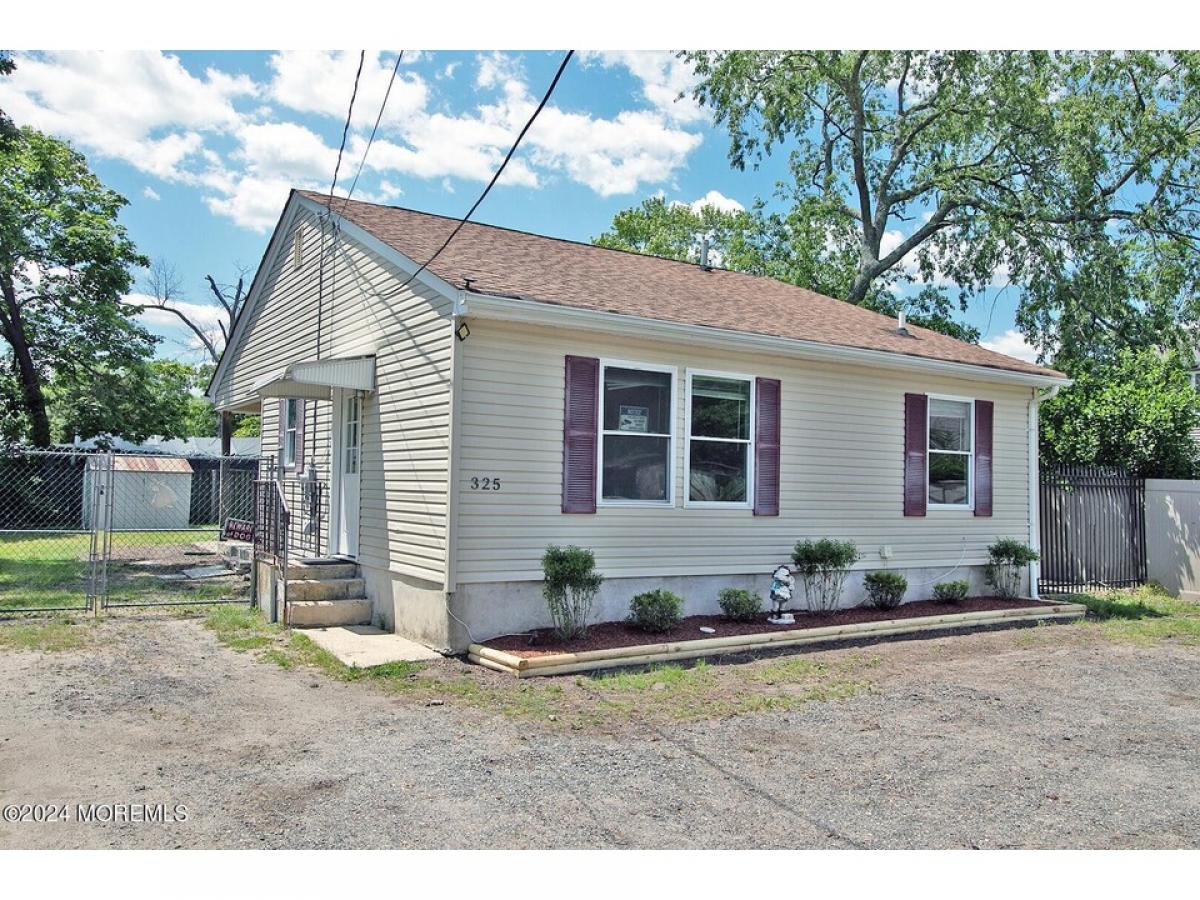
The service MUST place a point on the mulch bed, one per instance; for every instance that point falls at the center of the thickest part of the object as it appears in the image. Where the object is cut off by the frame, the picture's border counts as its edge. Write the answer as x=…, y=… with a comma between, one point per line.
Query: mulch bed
x=605, y=635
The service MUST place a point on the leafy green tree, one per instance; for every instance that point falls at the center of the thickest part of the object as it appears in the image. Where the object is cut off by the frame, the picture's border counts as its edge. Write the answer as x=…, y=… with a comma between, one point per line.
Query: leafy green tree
x=7, y=129
x=792, y=247
x=157, y=397
x=1074, y=176
x=65, y=262
x=1135, y=411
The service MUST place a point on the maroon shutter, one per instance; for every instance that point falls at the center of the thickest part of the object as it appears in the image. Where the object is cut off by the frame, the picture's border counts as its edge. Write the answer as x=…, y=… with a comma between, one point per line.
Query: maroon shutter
x=766, y=447
x=282, y=432
x=301, y=416
x=916, y=439
x=983, y=457
x=581, y=405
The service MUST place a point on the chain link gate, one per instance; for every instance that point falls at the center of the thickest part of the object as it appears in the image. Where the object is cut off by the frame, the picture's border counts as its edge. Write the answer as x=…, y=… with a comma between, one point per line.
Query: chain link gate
x=82, y=531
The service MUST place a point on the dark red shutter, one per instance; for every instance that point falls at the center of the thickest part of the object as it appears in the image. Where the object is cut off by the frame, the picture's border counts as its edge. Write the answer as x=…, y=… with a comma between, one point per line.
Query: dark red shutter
x=301, y=415
x=983, y=457
x=766, y=446
x=581, y=405
x=916, y=439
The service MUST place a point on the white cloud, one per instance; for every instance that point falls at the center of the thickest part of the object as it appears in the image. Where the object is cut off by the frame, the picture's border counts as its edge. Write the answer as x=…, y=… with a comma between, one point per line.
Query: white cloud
x=150, y=193
x=717, y=200
x=204, y=315
x=241, y=144
x=664, y=79
x=319, y=81
x=252, y=201
x=1011, y=343
x=497, y=69
x=118, y=104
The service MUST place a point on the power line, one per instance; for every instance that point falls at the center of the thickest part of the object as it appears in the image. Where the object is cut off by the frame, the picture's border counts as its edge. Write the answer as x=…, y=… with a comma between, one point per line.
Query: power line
x=371, y=139
x=499, y=171
x=362, y=54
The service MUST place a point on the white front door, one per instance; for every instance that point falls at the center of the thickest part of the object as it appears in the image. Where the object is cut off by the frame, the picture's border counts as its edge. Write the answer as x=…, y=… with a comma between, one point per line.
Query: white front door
x=347, y=439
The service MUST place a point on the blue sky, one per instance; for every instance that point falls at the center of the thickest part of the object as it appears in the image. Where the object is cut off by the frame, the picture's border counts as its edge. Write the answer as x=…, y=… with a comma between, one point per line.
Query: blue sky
x=205, y=145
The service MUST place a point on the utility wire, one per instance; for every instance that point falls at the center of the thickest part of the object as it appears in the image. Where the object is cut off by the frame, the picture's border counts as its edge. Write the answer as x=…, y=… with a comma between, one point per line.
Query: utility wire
x=362, y=54
x=499, y=171
x=371, y=139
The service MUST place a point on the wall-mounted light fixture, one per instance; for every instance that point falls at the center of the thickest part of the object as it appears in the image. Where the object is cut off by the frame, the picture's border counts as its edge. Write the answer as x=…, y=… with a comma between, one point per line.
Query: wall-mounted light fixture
x=463, y=331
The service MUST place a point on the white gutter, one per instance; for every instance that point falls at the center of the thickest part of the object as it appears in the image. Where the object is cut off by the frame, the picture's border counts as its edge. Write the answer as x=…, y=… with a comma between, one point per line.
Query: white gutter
x=532, y=312
x=1035, y=533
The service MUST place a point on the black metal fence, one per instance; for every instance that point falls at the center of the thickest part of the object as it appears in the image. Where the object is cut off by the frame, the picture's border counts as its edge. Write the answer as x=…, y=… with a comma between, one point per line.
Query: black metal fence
x=1093, y=529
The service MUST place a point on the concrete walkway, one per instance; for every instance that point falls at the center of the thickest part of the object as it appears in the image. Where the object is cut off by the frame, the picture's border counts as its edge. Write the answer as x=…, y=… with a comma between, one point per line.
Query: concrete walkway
x=363, y=646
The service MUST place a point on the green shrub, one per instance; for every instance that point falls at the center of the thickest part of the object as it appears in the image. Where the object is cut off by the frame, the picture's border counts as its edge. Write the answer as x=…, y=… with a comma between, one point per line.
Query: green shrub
x=655, y=611
x=740, y=605
x=822, y=566
x=1006, y=558
x=885, y=590
x=570, y=588
x=951, y=591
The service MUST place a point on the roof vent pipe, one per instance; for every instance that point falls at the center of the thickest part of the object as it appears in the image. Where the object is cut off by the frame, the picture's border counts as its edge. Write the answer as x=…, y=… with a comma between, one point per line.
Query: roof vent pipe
x=704, y=253
x=901, y=322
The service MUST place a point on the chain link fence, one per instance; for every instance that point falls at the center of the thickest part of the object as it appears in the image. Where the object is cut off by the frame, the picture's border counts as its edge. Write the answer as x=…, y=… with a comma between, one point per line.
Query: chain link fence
x=122, y=529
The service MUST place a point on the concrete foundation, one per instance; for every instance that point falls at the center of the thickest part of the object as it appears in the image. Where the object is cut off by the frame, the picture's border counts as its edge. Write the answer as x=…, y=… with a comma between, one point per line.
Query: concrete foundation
x=491, y=610
x=411, y=607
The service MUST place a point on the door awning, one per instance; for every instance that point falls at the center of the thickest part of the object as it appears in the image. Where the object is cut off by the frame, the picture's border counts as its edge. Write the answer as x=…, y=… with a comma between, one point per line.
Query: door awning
x=314, y=379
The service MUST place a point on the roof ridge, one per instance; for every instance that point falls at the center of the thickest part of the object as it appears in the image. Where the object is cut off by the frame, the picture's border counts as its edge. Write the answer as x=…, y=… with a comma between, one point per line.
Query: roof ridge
x=561, y=240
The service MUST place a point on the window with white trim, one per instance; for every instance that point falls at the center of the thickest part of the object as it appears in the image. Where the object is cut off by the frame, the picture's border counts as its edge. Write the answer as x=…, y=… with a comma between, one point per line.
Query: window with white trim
x=291, y=412
x=636, y=433
x=720, y=435
x=951, y=448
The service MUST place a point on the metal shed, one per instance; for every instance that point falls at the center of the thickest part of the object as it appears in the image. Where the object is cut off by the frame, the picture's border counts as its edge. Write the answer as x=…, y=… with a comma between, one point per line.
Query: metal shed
x=144, y=492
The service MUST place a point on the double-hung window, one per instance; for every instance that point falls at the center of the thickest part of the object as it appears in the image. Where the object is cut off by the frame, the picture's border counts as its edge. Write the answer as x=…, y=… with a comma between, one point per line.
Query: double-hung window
x=951, y=451
x=291, y=412
x=720, y=429
x=636, y=435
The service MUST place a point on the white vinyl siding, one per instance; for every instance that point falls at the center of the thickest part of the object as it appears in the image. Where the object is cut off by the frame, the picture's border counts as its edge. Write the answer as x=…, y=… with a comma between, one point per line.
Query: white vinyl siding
x=841, y=466
x=404, y=428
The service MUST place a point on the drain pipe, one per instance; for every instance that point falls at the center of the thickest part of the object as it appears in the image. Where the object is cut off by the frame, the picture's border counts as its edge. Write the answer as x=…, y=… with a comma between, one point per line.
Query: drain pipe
x=1035, y=480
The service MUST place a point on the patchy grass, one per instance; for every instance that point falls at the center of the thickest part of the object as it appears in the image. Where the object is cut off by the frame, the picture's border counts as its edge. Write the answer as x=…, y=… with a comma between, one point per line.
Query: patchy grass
x=51, y=636
x=666, y=693
x=39, y=570
x=1144, y=615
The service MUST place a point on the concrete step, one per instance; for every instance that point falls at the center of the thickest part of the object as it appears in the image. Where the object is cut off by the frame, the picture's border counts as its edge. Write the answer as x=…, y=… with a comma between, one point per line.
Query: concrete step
x=328, y=589
x=321, y=572
x=328, y=613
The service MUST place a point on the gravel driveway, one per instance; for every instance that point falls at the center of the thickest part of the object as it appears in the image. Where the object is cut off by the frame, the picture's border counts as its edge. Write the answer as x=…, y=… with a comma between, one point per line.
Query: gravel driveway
x=1004, y=739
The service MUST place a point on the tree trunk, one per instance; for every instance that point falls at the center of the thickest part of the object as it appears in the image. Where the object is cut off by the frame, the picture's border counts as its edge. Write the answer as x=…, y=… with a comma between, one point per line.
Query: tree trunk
x=31, y=381
x=859, y=288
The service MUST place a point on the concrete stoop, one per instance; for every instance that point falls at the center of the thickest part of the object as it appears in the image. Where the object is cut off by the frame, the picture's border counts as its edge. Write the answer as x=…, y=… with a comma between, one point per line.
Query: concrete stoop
x=326, y=595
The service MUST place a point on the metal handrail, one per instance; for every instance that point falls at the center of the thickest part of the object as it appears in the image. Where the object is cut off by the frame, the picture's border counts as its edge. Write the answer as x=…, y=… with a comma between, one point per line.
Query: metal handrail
x=271, y=532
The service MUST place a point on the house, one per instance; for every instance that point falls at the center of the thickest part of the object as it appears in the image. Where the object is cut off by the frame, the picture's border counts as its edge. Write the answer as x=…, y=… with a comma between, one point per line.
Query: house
x=687, y=424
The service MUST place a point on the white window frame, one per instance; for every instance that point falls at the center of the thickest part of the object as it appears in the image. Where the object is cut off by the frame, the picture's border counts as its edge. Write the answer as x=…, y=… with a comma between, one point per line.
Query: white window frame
x=673, y=371
x=969, y=506
x=748, y=503
x=293, y=432
x=351, y=400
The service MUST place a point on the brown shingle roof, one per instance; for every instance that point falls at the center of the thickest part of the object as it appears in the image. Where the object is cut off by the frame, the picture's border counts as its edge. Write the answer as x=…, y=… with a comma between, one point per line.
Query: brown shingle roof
x=511, y=263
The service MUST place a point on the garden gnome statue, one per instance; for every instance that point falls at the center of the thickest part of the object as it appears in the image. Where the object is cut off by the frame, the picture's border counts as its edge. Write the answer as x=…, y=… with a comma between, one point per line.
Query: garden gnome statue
x=782, y=582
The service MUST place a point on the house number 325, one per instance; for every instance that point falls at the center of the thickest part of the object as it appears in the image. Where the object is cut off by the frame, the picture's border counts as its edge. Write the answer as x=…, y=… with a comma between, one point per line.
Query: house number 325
x=485, y=484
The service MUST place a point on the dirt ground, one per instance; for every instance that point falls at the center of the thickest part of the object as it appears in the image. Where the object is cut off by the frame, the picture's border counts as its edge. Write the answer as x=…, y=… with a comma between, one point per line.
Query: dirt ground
x=1026, y=738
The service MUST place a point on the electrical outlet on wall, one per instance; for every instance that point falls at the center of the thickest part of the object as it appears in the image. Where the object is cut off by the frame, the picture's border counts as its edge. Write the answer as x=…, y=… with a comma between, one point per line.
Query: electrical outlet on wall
x=885, y=552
